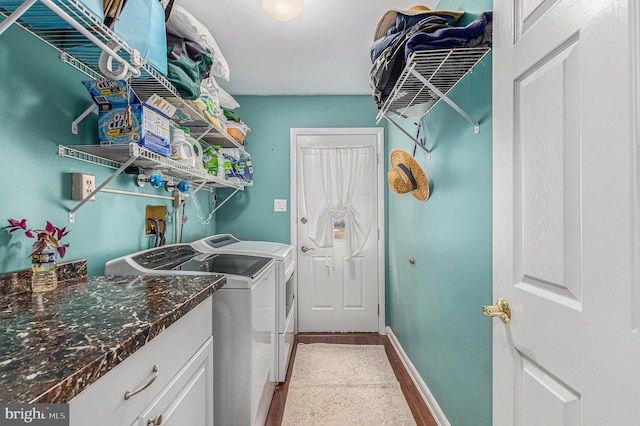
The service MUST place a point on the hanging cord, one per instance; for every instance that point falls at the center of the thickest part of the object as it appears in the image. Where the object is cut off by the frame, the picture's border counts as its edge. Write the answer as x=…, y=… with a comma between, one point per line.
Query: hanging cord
x=159, y=238
x=182, y=220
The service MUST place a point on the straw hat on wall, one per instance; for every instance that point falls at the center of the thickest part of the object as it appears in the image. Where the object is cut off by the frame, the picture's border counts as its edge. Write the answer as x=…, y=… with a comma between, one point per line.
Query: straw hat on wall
x=406, y=175
x=388, y=20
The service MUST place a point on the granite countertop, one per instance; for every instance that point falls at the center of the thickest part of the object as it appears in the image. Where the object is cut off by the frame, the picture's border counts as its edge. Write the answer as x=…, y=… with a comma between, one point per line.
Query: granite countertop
x=54, y=345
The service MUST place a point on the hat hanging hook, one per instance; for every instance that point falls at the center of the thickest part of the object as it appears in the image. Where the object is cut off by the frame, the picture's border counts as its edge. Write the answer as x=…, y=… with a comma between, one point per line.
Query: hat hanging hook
x=420, y=138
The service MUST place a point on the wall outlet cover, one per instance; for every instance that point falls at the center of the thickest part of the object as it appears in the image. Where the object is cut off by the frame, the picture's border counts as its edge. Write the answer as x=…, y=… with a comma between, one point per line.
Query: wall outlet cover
x=82, y=185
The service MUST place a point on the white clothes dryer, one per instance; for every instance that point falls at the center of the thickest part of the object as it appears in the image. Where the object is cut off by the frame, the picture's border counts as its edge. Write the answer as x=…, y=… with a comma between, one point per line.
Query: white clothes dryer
x=243, y=323
x=283, y=254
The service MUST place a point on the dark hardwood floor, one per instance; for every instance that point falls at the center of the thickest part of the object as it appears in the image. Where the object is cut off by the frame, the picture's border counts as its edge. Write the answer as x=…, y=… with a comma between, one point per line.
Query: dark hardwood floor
x=420, y=411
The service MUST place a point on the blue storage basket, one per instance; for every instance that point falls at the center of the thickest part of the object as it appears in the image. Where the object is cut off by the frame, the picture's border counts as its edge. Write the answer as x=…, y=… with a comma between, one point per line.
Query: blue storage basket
x=142, y=26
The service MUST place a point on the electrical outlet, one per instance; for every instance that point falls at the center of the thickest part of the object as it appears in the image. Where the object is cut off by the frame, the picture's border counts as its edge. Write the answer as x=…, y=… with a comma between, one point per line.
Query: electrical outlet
x=83, y=185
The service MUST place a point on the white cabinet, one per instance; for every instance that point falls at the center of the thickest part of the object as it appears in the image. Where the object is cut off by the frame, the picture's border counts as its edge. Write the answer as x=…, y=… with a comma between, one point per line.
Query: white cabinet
x=181, y=390
x=188, y=399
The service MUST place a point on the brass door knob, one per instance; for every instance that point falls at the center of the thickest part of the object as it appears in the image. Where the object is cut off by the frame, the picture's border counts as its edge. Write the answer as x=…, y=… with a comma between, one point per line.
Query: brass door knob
x=500, y=310
x=155, y=422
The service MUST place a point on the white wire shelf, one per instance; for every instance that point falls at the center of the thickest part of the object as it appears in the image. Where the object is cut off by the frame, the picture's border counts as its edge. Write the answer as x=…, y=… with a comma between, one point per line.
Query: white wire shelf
x=51, y=21
x=120, y=157
x=114, y=156
x=443, y=69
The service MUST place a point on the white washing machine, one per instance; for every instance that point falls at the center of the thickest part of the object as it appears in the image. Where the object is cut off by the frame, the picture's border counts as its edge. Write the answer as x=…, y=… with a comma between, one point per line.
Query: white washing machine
x=283, y=254
x=244, y=326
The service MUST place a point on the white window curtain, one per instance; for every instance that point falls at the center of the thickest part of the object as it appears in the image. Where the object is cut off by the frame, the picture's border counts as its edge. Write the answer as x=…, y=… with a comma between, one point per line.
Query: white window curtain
x=338, y=183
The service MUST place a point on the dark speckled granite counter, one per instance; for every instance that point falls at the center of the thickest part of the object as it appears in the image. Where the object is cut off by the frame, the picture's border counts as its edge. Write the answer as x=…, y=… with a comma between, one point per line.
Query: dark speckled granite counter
x=54, y=345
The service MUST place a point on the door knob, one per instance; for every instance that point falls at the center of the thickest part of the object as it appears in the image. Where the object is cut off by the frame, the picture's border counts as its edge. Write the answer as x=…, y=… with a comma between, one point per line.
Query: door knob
x=303, y=220
x=155, y=422
x=305, y=249
x=500, y=310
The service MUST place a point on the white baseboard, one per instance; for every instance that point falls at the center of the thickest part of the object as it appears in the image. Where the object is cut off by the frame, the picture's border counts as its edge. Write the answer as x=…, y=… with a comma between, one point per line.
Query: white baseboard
x=426, y=394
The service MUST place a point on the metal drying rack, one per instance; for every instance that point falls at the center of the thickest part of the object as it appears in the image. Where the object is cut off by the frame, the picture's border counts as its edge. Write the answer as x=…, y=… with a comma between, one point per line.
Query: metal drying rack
x=426, y=79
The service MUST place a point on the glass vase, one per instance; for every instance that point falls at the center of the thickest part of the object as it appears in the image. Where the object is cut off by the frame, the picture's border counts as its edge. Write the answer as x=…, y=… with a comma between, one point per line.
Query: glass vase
x=43, y=268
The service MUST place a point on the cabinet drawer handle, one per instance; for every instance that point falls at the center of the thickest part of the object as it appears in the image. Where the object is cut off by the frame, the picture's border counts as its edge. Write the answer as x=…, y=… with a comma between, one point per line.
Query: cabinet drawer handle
x=128, y=394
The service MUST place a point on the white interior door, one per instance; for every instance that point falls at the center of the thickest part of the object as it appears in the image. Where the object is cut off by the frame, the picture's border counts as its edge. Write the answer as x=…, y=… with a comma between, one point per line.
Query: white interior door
x=565, y=213
x=337, y=291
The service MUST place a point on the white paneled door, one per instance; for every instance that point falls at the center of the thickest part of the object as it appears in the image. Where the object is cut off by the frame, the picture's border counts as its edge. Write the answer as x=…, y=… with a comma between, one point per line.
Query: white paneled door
x=565, y=227
x=336, y=217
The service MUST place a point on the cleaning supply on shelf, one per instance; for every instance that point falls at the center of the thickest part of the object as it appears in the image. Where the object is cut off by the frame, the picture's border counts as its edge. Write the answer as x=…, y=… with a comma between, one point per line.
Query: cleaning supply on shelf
x=231, y=164
x=181, y=149
x=210, y=160
x=197, y=149
x=246, y=168
x=123, y=118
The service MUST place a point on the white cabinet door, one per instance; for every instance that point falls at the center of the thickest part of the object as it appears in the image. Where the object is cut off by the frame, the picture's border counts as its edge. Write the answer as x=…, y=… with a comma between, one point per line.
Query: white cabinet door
x=188, y=399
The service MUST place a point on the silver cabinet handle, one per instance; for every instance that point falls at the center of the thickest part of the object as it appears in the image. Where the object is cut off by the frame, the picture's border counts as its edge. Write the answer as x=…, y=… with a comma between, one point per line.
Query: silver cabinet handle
x=155, y=422
x=128, y=394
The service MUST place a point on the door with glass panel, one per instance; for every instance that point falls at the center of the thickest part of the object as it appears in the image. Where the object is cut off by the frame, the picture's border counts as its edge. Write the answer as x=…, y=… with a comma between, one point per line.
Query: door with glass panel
x=336, y=217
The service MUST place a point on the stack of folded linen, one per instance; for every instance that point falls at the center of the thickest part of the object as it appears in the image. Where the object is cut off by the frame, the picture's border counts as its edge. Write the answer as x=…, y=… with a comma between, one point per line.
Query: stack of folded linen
x=206, y=93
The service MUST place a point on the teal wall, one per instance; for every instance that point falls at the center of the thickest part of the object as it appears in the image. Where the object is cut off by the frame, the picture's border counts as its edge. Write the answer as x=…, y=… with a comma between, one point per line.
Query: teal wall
x=250, y=215
x=434, y=306
x=39, y=98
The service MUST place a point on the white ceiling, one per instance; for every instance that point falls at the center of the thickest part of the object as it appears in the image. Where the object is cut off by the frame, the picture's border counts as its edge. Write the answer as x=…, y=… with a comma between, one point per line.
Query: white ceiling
x=325, y=51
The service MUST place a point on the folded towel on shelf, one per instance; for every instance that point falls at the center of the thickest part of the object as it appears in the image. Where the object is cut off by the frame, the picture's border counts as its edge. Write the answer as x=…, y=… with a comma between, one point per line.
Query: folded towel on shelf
x=477, y=33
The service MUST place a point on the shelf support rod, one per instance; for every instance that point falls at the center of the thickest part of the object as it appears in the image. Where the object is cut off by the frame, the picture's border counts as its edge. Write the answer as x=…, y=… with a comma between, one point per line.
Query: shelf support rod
x=187, y=199
x=72, y=212
x=15, y=15
x=414, y=140
x=225, y=200
x=445, y=98
x=74, y=123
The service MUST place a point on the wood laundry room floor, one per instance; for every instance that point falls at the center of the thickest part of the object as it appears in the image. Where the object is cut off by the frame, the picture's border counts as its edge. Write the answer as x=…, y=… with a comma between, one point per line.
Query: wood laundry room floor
x=420, y=412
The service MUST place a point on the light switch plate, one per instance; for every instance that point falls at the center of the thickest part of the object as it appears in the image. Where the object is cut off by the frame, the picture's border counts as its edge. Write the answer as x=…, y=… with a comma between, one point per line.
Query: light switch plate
x=279, y=205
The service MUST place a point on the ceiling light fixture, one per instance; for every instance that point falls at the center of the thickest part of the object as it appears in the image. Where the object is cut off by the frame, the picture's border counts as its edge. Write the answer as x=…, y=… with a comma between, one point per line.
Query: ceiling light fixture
x=283, y=10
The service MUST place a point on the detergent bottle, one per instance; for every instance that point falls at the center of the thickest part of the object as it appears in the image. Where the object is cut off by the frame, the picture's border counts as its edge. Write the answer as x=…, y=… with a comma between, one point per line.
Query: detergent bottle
x=180, y=149
x=197, y=150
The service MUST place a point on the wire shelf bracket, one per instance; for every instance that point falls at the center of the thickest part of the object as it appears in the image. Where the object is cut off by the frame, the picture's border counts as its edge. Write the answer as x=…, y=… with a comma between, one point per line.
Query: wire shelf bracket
x=427, y=78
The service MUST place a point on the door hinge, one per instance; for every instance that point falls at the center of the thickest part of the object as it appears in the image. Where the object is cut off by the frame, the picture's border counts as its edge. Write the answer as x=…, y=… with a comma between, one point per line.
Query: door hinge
x=378, y=309
x=378, y=234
